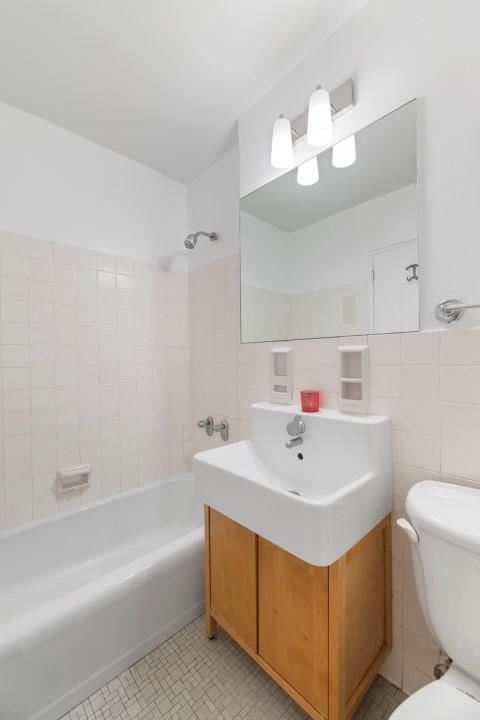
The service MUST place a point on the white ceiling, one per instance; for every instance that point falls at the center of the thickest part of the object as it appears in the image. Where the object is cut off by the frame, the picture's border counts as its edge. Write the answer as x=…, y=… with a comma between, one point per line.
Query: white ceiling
x=386, y=161
x=160, y=81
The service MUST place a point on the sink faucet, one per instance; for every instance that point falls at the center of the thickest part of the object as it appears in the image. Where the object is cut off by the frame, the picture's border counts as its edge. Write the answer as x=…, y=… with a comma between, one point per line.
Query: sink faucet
x=295, y=429
x=294, y=442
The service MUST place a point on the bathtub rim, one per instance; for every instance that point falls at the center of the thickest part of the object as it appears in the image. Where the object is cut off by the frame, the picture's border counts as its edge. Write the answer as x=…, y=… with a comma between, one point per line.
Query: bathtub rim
x=7, y=533
x=83, y=600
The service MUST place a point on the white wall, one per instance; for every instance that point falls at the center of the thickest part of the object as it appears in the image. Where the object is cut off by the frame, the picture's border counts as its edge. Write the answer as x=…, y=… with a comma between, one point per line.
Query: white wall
x=397, y=50
x=95, y=358
x=336, y=250
x=60, y=187
x=213, y=204
x=265, y=255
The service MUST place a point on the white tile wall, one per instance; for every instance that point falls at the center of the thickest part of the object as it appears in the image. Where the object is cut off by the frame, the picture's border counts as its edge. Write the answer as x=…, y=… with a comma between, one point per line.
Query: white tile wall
x=427, y=383
x=111, y=361
x=268, y=314
x=95, y=366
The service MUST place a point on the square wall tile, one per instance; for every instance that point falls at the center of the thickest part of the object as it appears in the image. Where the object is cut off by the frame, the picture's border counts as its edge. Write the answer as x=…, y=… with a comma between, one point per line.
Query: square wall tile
x=421, y=416
x=385, y=381
x=384, y=349
x=420, y=348
x=460, y=347
x=420, y=382
x=460, y=383
x=461, y=458
x=421, y=451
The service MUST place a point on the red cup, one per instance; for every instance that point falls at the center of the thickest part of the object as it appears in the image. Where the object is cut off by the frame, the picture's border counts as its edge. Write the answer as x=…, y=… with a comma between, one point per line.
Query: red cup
x=310, y=401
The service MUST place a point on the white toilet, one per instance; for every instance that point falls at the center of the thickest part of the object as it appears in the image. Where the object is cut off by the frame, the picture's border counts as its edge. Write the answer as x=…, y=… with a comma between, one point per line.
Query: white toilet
x=444, y=529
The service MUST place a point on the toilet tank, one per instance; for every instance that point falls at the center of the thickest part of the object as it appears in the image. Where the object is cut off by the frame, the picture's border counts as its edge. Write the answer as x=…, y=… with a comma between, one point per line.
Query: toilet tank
x=446, y=562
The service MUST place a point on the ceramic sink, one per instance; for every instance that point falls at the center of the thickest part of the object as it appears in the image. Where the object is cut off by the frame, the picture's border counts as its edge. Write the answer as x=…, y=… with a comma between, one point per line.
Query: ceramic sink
x=316, y=500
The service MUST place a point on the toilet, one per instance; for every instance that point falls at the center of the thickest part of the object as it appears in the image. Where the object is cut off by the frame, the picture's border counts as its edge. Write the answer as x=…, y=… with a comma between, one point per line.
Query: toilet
x=444, y=530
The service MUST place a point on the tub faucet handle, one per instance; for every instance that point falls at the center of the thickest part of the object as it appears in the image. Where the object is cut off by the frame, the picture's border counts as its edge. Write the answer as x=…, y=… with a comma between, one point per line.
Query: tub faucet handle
x=207, y=424
x=223, y=429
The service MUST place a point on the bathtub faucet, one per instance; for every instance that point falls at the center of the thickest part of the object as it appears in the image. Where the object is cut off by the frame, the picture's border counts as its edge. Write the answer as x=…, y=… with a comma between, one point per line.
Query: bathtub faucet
x=211, y=427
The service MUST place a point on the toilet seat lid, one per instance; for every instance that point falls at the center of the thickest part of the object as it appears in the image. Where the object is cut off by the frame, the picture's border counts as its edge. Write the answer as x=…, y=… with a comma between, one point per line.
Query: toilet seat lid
x=438, y=701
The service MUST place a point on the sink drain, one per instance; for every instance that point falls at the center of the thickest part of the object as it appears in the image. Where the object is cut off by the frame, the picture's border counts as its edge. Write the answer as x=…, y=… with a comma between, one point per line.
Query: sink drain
x=294, y=492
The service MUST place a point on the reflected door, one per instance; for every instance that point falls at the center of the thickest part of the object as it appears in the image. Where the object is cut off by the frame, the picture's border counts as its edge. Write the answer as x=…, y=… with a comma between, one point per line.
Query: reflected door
x=395, y=288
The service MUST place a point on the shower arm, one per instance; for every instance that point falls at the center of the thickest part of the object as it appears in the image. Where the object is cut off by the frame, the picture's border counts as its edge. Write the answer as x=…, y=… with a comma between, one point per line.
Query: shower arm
x=211, y=235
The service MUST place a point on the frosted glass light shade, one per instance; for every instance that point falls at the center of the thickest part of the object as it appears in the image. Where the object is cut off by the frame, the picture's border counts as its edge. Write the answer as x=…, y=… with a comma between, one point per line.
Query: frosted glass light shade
x=319, y=124
x=344, y=153
x=307, y=173
x=282, y=145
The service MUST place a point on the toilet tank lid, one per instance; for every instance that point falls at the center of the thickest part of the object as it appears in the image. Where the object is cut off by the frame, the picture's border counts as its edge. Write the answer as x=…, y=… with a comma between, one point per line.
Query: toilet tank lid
x=450, y=512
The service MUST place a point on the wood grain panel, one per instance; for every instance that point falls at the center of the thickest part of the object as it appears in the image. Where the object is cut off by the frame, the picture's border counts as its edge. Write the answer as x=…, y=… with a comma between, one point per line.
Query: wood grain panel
x=366, y=608
x=293, y=621
x=337, y=574
x=210, y=624
x=233, y=575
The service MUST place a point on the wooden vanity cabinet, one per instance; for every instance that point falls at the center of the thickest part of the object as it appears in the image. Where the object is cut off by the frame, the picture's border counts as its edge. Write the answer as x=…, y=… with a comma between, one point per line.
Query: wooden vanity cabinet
x=320, y=632
x=233, y=577
x=293, y=621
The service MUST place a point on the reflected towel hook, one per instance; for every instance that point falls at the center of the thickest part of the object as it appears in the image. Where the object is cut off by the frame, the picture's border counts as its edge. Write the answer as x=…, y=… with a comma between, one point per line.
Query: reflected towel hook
x=413, y=267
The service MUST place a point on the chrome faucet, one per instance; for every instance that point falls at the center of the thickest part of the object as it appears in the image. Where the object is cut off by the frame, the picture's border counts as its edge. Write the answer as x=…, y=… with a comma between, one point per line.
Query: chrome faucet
x=211, y=427
x=295, y=429
x=294, y=442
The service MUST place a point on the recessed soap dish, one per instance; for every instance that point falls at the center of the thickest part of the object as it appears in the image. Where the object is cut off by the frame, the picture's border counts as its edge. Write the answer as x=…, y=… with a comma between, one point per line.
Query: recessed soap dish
x=353, y=378
x=75, y=477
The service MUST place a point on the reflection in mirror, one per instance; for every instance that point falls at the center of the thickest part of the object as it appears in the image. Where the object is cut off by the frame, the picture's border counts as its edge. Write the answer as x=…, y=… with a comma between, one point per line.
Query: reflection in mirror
x=339, y=257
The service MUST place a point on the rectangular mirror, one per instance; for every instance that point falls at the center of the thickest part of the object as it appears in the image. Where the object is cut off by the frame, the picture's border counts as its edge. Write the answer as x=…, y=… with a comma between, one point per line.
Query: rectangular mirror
x=339, y=257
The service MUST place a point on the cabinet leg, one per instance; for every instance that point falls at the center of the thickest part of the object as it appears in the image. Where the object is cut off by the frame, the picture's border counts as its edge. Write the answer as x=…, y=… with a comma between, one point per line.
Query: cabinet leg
x=210, y=626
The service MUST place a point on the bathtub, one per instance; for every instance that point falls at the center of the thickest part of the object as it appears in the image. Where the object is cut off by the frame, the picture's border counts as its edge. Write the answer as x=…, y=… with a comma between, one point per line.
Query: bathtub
x=85, y=594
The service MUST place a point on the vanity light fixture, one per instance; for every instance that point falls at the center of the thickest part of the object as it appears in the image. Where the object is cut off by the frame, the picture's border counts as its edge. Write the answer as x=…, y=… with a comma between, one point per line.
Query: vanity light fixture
x=282, y=144
x=344, y=153
x=313, y=125
x=307, y=172
x=319, y=123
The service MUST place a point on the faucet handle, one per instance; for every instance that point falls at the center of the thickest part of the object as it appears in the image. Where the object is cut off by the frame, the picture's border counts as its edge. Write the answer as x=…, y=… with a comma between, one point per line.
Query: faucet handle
x=296, y=426
x=207, y=424
x=223, y=429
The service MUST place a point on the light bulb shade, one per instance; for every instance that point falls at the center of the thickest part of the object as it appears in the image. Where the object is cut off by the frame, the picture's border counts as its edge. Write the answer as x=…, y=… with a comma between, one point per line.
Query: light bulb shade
x=307, y=173
x=319, y=124
x=282, y=145
x=344, y=153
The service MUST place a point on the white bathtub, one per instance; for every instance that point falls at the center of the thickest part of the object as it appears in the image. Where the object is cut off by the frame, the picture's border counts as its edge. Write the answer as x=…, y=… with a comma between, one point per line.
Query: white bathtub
x=85, y=594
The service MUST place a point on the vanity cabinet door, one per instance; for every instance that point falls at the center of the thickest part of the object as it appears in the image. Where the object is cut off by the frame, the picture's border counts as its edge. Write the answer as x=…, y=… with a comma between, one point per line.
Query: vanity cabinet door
x=233, y=577
x=293, y=621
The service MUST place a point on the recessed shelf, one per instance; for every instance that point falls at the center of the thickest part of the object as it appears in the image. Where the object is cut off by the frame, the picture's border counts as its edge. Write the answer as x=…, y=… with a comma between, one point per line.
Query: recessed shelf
x=282, y=385
x=353, y=378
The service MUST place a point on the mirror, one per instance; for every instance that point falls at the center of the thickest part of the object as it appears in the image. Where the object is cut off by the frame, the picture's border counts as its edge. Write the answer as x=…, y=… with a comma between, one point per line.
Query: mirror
x=339, y=257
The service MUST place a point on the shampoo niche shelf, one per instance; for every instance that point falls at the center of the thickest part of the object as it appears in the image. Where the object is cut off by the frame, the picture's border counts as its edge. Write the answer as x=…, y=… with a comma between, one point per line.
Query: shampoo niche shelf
x=353, y=378
x=282, y=375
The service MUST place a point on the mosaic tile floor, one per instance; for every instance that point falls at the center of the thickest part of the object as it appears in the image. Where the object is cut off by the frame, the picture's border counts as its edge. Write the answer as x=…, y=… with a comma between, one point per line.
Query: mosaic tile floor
x=191, y=678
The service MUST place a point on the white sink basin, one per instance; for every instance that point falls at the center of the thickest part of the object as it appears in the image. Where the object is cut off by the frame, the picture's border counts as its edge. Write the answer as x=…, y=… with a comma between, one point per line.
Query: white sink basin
x=316, y=500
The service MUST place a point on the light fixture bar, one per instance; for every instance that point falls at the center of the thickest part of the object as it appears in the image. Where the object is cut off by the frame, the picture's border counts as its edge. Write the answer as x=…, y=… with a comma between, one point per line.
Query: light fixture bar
x=342, y=99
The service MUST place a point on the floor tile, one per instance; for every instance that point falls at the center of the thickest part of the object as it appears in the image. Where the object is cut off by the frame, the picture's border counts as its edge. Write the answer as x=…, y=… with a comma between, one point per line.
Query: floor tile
x=189, y=677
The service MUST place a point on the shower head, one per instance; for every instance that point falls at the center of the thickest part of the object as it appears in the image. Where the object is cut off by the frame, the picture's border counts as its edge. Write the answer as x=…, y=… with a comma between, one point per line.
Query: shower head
x=191, y=240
